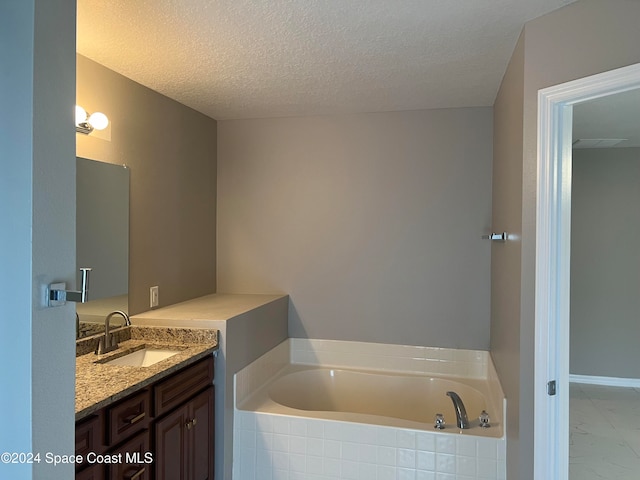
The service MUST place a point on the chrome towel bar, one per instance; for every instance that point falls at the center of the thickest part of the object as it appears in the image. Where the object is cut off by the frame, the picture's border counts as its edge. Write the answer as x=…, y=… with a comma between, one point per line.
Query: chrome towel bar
x=496, y=236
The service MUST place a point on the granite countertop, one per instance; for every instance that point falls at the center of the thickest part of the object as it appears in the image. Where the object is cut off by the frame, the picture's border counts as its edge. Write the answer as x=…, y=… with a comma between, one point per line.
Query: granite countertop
x=98, y=385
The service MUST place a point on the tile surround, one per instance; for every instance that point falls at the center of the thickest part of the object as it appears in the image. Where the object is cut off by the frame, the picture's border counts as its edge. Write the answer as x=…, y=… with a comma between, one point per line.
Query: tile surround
x=278, y=447
x=398, y=358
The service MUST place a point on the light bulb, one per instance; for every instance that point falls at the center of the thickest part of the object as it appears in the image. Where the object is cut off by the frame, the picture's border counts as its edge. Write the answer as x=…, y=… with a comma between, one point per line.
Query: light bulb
x=81, y=115
x=98, y=120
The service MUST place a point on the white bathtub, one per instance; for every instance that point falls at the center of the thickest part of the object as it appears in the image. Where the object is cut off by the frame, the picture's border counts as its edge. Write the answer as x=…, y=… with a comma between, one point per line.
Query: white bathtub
x=401, y=400
x=332, y=421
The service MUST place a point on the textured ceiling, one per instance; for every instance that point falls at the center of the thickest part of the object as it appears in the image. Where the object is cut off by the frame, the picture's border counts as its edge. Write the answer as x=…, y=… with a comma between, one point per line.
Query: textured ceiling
x=262, y=58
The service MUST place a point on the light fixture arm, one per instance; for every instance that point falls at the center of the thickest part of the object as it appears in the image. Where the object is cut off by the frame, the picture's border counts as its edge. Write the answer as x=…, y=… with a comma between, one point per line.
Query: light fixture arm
x=84, y=127
x=86, y=124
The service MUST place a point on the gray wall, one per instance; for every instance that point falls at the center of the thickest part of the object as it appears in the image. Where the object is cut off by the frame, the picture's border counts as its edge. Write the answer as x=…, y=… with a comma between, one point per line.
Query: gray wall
x=605, y=262
x=582, y=39
x=171, y=150
x=370, y=222
x=37, y=178
x=505, y=257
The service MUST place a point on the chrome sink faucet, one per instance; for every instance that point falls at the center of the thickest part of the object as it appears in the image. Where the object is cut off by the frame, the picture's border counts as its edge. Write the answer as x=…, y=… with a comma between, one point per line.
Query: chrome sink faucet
x=107, y=343
x=127, y=320
x=461, y=412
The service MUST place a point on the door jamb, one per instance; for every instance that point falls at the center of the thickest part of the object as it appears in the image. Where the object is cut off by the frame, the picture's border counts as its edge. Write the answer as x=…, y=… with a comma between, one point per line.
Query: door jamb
x=553, y=230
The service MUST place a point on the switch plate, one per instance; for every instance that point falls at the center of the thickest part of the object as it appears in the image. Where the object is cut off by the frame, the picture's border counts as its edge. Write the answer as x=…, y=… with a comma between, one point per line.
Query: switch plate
x=154, y=296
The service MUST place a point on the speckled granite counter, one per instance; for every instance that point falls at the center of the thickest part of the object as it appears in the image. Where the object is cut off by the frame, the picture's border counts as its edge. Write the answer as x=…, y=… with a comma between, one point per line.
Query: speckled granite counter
x=98, y=385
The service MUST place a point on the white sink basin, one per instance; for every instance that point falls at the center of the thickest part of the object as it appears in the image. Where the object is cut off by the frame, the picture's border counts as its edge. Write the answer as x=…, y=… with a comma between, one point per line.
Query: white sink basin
x=144, y=357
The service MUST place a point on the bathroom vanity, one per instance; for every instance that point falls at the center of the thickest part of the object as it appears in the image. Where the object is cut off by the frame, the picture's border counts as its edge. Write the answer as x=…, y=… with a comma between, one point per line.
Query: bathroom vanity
x=144, y=422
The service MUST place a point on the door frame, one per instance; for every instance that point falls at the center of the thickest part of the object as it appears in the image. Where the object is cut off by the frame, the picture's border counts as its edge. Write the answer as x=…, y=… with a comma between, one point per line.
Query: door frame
x=553, y=248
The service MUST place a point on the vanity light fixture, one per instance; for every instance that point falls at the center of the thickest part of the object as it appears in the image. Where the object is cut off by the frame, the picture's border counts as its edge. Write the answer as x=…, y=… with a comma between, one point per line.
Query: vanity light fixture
x=88, y=123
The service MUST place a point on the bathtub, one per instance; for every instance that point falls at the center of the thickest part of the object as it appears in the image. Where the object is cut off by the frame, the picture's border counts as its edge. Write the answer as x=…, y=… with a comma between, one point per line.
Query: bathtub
x=332, y=415
x=373, y=398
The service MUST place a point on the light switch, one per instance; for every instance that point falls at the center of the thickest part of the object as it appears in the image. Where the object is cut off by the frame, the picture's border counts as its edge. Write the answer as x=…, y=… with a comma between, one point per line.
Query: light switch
x=154, y=296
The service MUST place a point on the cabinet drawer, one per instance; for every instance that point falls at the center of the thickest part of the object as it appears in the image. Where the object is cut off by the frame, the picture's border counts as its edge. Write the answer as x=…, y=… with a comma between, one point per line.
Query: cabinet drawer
x=183, y=385
x=136, y=459
x=128, y=417
x=89, y=438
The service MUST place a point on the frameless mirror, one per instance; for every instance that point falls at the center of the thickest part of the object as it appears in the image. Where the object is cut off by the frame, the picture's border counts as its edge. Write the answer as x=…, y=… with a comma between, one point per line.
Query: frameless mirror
x=102, y=240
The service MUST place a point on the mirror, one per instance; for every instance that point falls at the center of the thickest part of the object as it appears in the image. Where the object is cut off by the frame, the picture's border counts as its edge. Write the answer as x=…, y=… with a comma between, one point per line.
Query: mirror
x=102, y=240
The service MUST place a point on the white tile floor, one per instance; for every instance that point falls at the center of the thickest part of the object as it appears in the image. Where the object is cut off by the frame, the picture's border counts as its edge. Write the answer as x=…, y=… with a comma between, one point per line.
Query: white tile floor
x=604, y=435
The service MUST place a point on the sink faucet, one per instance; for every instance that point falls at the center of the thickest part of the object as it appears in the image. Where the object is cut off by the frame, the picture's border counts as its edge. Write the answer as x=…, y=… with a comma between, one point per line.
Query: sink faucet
x=461, y=412
x=127, y=320
x=107, y=343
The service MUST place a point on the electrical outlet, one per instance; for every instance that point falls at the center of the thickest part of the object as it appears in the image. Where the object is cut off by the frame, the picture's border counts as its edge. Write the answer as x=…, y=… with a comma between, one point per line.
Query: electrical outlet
x=154, y=296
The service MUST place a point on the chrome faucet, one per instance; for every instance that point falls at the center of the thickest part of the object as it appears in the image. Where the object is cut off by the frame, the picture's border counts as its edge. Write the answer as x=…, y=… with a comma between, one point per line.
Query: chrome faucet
x=108, y=343
x=461, y=412
x=127, y=320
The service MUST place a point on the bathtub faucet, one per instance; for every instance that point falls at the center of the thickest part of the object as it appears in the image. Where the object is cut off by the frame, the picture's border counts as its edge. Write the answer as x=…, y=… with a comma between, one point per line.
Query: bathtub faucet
x=461, y=412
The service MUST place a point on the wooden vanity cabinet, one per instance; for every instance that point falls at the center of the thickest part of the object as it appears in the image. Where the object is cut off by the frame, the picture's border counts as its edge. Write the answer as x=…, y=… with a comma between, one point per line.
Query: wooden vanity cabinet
x=135, y=464
x=184, y=440
x=177, y=389
x=89, y=438
x=128, y=417
x=93, y=472
x=184, y=426
x=163, y=431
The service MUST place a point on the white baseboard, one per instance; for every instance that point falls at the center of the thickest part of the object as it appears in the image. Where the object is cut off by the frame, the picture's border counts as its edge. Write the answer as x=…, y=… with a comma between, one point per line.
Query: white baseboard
x=607, y=381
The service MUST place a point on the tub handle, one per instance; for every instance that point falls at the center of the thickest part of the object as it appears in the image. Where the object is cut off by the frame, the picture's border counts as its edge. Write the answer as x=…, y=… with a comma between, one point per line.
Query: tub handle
x=484, y=419
x=439, y=421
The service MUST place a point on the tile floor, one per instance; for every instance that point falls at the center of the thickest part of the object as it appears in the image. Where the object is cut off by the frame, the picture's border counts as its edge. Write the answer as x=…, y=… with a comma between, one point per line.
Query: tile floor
x=604, y=435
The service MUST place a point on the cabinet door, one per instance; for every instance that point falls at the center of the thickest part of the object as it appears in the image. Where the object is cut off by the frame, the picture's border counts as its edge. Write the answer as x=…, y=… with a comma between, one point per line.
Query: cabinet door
x=89, y=438
x=201, y=436
x=170, y=456
x=93, y=472
x=135, y=463
x=184, y=441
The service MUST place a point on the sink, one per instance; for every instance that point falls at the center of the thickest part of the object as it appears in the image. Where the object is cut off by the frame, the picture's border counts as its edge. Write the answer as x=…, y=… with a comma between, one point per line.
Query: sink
x=144, y=357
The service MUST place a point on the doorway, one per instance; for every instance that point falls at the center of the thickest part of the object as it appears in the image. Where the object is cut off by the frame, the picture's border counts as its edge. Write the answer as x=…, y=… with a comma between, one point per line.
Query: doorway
x=604, y=365
x=553, y=250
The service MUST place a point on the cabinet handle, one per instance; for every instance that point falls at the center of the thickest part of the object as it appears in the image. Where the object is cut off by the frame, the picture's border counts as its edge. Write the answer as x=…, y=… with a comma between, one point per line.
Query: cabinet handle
x=190, y=423
x=137, y=474
x=135, y=419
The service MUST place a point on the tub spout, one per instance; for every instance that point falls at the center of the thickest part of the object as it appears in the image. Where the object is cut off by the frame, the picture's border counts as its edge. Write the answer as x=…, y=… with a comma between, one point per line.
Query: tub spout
x=461, y=412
